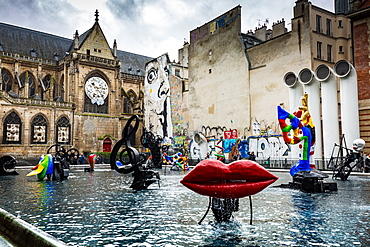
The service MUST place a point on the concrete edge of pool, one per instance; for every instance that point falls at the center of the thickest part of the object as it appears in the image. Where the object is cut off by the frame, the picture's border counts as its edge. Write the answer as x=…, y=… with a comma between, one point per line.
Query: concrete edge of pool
x=20, y=233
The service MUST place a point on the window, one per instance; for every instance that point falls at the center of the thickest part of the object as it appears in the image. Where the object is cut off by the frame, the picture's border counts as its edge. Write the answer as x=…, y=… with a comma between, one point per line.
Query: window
x=126, y=105
x=318, y=24
x=25, y=78
x=58, y=93
x=319, y=46
x=328, y=27
x=7, y=80
x=12, y=129
x=329, y=48
x=183, y=86
x=129, y=101
x=46, y=82
x=340, y=24
x=39, y=130
x=33, y=52
x=96, y=94
x=63, y=131
x=177, y=72
x=341, y=50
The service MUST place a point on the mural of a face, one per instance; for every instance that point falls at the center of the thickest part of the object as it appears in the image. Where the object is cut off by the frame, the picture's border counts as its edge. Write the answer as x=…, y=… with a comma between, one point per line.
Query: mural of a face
x=157, y=97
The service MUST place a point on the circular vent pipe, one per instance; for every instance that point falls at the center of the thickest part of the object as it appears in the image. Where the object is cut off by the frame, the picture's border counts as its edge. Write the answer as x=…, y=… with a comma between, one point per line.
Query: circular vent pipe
x=329, y=108
x=312, y=88
x=349, y=100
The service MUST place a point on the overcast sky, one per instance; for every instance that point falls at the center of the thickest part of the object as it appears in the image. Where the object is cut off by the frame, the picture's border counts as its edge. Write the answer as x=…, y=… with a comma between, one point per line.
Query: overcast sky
x=146, y=27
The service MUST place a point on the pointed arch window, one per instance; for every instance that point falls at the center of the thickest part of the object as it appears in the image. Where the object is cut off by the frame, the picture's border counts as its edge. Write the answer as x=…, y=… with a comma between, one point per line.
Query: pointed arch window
x=58, y=93
x=45, y=84
x=129, y=101
x=25, y=78
x=12, y=129
x=63, y=131
x=7, y=80
x=39, y=130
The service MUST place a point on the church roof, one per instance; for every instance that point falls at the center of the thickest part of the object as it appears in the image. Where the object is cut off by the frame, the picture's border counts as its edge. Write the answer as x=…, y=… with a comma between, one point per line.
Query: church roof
x=132, y=63
x=21, y=40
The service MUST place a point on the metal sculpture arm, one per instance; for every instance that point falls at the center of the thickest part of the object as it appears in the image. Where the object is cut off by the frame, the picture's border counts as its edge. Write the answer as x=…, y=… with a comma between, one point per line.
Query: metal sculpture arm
x=126, y=159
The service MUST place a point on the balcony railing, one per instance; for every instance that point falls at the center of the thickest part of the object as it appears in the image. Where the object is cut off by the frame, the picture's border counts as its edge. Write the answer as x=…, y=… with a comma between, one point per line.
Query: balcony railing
x=27, y=58
x=98, y=60
x=36, y=102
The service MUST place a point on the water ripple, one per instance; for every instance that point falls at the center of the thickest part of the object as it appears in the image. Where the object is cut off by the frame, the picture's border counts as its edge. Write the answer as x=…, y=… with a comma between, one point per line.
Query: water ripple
x=99, y=209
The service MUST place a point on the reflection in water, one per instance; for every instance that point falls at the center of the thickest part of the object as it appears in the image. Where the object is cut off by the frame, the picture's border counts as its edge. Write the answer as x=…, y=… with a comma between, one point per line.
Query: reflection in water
x=99, y=209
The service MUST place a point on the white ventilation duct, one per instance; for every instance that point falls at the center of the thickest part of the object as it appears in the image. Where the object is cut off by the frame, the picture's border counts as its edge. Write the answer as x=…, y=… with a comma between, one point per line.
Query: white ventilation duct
x=312, y=88
x=329, y=98
x=349, y=100
x=295, y=90
x=295, y=95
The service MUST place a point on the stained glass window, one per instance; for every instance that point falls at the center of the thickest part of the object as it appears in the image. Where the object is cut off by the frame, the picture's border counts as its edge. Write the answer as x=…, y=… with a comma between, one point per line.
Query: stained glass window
x=7, y=80
x=28, y=77
x=39, y=130
x=63, y=131
x=12, y=129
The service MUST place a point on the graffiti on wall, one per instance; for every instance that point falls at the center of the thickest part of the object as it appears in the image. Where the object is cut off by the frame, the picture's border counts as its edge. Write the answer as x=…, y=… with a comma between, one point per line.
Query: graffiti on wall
x=215, y=132
x=221, y=22
x=265, y=147
x=157, y=105
x=177, y=115
x=212, y=27
x=262, y=128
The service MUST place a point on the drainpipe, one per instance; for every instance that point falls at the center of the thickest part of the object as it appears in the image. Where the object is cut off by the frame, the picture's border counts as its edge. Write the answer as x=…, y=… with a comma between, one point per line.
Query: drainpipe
x=329, y=98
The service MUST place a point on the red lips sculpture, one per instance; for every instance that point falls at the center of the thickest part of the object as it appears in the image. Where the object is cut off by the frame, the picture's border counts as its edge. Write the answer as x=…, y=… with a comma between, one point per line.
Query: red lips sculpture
x=236, y=180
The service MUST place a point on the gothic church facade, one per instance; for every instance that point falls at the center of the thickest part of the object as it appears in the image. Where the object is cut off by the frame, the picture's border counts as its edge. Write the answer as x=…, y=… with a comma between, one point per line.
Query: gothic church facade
x=74, y=92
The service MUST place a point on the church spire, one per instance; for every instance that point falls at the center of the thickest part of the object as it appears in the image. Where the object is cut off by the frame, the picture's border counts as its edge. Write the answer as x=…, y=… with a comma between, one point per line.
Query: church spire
x=76, y=42
x=115, y=48
x=96, y=15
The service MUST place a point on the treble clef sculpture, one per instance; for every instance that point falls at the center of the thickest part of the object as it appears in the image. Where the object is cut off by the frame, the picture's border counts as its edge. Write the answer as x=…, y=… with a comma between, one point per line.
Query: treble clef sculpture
x=126, y=159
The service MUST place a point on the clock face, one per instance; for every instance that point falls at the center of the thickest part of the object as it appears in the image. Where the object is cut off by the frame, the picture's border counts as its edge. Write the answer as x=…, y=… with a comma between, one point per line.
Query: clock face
x=97, y=90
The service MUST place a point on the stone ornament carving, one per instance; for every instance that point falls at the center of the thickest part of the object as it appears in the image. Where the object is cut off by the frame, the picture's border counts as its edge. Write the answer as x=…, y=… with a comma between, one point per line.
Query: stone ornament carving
x=12, y=132
x=96, y=89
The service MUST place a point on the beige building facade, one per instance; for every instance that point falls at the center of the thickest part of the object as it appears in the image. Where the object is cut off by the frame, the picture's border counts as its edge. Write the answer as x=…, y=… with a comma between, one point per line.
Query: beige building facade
x=236, y=80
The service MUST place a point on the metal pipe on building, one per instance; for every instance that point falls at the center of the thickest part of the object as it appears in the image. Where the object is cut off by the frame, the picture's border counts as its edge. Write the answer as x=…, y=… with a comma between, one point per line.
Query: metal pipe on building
x=349, y=100
x=329, y=108
x=295, y=90
x=312, y=88
x=295, y=95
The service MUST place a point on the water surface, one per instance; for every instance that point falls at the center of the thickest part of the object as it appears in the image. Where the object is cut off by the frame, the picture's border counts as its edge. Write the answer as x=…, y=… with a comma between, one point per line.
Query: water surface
x=99, y=209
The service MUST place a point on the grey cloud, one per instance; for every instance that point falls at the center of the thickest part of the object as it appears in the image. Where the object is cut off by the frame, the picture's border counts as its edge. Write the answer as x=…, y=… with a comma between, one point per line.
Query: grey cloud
x=41, y=15
x=126, y=9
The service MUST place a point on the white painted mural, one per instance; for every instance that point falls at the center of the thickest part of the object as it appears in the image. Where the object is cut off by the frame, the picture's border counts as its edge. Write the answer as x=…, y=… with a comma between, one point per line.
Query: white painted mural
x=157, y=111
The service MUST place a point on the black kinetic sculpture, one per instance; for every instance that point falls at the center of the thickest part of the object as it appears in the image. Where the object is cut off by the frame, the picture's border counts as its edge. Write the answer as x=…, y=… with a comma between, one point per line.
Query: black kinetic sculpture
x=126, y=159
x=7, y=165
